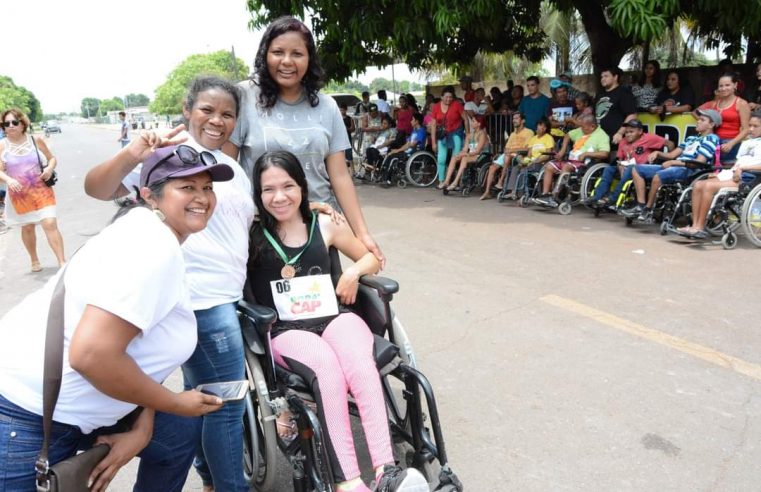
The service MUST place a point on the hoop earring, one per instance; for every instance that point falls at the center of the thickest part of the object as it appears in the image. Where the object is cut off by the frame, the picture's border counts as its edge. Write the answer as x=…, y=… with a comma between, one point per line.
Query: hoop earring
x=159, y=214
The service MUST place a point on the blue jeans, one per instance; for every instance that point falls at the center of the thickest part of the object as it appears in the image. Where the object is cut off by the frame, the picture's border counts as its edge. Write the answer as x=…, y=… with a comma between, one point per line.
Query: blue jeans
x=219, y=357
x=164, y=463
x=608, y=174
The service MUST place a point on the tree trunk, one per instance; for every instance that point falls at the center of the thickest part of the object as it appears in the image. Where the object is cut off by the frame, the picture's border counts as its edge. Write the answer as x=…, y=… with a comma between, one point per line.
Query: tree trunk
x=608, y=47
x=645, y=54
x=753, y=55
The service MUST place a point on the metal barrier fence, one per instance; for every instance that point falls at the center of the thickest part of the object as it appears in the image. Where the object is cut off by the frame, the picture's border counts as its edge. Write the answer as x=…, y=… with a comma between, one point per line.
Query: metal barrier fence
x=499, y=127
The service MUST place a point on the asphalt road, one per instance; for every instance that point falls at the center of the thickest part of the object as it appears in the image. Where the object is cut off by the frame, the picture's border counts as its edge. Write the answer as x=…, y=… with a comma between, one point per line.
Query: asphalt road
x=567, y=353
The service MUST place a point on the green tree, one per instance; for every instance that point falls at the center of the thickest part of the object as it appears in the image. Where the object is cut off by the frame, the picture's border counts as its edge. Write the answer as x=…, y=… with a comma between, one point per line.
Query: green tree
x=451, y=33
x=170, y=94
x=16, y=96
x=113, y=104
x=134, y=100
x=90, y=106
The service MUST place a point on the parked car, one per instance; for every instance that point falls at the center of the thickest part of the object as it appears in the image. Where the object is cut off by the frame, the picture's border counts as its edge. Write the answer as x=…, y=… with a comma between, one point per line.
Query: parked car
x=52, y=126
x=349, y=99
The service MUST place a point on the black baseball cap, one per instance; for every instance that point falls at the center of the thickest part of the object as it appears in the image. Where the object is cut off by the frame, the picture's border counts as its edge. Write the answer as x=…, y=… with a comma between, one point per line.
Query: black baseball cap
x=635, y=124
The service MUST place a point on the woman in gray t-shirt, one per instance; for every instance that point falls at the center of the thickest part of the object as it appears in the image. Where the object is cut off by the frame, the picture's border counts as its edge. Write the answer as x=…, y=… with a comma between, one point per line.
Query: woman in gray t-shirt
x=282, y=109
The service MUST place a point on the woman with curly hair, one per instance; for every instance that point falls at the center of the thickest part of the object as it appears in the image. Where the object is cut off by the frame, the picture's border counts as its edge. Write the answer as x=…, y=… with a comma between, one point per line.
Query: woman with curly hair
x=282, y=109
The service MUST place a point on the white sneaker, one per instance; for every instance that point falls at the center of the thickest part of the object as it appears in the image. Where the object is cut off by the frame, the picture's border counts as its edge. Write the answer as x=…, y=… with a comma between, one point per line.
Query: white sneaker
x=395, y=479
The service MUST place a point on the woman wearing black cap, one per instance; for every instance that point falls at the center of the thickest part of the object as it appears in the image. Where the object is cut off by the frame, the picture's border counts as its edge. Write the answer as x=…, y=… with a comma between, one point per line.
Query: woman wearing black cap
x=128, y=324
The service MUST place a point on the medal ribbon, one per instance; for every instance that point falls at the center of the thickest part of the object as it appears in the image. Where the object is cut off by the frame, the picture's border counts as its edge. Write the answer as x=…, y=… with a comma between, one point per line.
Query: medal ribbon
x=280, y=251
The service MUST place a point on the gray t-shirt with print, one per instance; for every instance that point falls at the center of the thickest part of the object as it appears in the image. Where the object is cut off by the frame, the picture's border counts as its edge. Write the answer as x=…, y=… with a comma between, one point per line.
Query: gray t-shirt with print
x=310, y=133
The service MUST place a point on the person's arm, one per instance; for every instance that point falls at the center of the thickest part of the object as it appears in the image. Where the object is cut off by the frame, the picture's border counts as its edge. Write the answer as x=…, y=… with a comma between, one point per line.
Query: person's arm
x=47, y=171
x=13, y=185
x=620, y=133
x=104, y=181
x=600, y=155
x=744, y=110
x=124, y=446
x=231, y=150
x=563, y=147
x=365, y=263
x=98, y=352
x=352, y=127
x=465, y=121
x=346, y=194
x=483, y=139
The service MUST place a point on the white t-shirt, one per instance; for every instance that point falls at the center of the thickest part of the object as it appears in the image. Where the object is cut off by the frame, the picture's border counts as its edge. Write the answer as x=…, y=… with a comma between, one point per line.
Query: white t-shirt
x=133, y=269
x=216, y=257
x=383, y=106
x=750, y=152
x=480, y=109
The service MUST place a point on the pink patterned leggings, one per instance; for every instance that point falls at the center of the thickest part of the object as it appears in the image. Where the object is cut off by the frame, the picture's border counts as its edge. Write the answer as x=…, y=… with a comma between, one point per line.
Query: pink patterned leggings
x=341, y=362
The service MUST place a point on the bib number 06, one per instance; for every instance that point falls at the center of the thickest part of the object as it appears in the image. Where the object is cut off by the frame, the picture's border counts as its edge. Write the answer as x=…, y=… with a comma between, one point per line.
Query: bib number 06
x=283, y=286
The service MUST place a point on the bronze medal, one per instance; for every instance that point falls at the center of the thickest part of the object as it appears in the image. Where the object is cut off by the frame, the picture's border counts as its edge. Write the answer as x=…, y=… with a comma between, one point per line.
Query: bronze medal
x=288, y=271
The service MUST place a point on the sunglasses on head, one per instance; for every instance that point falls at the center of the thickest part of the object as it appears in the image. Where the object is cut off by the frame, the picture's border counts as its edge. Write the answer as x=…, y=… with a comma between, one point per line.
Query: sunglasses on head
x=189, y=156
x=6, y=124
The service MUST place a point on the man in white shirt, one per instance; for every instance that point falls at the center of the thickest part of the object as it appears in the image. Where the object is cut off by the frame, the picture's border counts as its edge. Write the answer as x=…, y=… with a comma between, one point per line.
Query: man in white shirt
x=383, y=105
x=478, y=105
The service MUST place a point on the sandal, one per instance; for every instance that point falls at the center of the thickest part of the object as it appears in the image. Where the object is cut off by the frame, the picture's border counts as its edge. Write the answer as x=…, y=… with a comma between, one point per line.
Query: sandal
x=36, y=267
x=686, y=231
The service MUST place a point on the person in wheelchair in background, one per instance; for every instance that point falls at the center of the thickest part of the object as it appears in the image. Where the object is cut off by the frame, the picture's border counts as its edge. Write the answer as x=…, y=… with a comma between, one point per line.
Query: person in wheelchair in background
x=477, y=146
x=748, y=159
x=315, y=335
x=701, y=147
x=589, y=142
x=384, y=140
x=415, y=141
x=635, y=148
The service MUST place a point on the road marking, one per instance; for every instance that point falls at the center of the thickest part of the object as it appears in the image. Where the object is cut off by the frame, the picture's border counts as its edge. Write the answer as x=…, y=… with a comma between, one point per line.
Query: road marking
x=699, y=351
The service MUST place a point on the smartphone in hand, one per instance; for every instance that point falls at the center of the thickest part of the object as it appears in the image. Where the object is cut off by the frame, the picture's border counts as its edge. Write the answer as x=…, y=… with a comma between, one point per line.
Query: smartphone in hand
x=227, y=391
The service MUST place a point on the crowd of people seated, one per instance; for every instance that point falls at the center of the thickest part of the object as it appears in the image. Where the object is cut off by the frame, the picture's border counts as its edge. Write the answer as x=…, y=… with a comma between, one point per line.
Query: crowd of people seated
x=565, y=131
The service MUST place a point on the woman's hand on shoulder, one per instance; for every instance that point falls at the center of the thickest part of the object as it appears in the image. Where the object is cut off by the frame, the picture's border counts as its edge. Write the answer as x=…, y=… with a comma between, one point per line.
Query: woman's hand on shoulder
x=150, y=140
x=325, y=209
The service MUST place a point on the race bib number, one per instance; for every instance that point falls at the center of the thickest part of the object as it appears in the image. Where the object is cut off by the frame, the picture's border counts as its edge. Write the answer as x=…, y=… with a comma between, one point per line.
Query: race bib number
x=307, y=297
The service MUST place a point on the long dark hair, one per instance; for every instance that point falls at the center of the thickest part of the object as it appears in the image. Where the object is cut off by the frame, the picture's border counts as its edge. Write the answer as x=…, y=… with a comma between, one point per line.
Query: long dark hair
x=656, y=74
x=290, y=164
x=128, y=203
x=314, y=78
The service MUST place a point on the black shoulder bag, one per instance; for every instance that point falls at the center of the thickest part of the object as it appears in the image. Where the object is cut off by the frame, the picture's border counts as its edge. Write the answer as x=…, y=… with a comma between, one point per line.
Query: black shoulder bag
x=53, y=179
x=70, y=475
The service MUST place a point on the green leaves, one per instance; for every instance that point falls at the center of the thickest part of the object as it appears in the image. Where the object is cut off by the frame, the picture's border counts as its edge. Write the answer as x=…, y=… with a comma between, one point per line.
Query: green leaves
x=16, y=96
x=641, y=20
x=170, y=94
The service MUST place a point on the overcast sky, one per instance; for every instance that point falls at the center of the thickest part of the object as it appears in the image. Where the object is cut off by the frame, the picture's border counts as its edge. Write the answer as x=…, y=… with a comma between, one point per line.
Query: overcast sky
x=65, y=50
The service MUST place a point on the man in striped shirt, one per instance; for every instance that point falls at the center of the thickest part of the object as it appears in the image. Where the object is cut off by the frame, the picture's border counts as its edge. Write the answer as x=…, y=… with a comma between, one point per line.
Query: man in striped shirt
x=701, y=147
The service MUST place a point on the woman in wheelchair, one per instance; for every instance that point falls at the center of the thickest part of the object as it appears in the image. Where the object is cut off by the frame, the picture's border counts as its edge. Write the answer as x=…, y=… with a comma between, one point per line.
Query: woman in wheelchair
x=589, y=142
x=478, y=144
x=748, y=159
x=315, y=335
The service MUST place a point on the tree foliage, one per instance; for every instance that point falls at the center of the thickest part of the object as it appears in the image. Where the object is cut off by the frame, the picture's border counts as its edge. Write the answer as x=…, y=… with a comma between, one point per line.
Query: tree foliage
x=89, y=106
x=16, y=96
x=114, y=104
x=170, y=94
x=355, y=34
x=135, y=100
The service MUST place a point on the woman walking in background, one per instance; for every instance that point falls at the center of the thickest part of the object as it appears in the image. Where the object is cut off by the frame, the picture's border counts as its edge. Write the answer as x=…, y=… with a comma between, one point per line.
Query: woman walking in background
x=25, y=164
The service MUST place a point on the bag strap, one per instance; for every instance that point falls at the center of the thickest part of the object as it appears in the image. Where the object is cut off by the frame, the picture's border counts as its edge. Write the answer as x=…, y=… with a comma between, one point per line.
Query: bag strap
x=37, y=152
x=51, y=379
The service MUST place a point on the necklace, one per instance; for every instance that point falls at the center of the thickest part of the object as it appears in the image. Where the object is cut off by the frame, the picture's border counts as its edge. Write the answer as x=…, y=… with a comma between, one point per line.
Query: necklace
x=288, y=271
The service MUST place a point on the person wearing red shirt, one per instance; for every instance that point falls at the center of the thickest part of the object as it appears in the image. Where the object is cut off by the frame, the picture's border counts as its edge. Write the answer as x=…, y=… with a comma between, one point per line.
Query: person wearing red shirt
x=635, y=148
x=447, y=129
x=466, y=84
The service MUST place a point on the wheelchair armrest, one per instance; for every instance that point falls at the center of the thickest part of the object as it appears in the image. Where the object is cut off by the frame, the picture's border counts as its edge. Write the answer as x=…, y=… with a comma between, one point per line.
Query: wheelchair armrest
x=384, y=286
x=261, y=315
x=693, y=164
x=521, y=152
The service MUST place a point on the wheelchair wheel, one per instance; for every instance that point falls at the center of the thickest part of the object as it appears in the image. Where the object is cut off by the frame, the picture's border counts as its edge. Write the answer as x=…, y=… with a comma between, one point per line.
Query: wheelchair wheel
x=590, y=180
x=421, y=169
x=564, y=208
x=525, y=200
x=664, y=228
x=401, y=183
x=729, y=240
x=751, y=216
x=259, y=433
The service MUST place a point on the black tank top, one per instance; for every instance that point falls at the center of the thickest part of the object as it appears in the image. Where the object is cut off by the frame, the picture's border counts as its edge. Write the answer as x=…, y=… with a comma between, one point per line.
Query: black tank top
x=266, y=266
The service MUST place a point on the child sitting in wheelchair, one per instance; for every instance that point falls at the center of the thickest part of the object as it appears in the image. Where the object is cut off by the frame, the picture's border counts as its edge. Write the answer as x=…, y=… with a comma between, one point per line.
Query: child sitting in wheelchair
x=315, y=335
x=415, y=142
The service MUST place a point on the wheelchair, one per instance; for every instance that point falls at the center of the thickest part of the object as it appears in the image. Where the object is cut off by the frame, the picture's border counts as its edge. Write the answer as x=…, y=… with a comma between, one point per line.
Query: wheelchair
x=416, y=435
x=736, y=208
x=474, y=175
x=592, y=179
x=676, y=205
x=568, y=187
x=420, y=169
